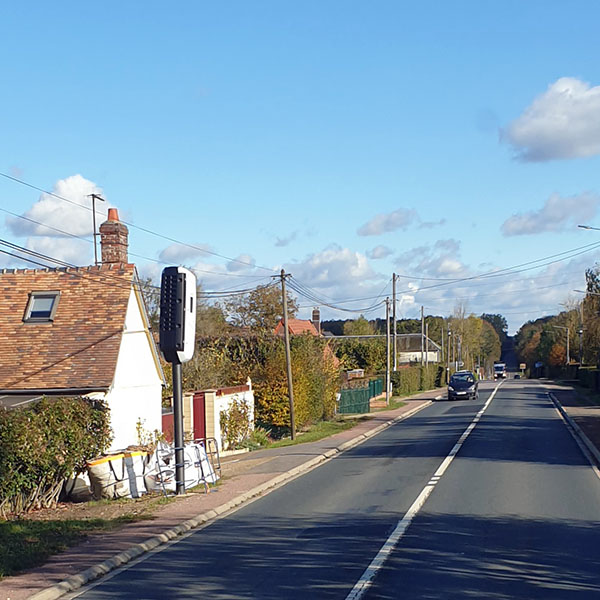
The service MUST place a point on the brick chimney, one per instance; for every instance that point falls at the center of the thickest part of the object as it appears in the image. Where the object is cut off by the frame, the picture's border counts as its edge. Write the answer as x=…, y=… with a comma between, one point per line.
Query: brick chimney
x=316, y=319
x=113, y=239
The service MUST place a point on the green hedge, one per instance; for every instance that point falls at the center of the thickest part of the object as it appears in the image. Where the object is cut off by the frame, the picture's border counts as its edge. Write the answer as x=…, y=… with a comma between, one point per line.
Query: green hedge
x=43, y=444
x=408, y=380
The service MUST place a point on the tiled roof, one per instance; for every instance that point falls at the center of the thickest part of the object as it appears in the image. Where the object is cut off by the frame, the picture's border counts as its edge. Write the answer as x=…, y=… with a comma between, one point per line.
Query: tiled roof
x=297, y=327
x=79, y=349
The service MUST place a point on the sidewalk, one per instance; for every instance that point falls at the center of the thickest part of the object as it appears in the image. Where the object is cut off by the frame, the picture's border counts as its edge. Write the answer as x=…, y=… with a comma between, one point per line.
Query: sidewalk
x=245, y=476
x=584, y=414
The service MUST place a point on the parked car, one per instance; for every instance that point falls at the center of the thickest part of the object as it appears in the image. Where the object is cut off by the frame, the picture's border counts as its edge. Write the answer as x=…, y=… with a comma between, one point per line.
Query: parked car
x=463, y=385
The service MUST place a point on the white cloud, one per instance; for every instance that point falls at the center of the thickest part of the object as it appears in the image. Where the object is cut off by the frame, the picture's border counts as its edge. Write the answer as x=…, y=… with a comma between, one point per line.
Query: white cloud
x=438, y=261
x=74, y=217
x=332, y=267
x=242, y=263
x=280, y=242
x=402, y=219
x=384, y=223
x=380, y=252
x=69, y=250
x=181, y=254
x=431, y=224
x=563, y=122
x=558, y=214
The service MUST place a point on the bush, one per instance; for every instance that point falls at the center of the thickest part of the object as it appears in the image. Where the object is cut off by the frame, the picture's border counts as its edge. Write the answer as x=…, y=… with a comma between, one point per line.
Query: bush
x=43, y=444
x=235, y=424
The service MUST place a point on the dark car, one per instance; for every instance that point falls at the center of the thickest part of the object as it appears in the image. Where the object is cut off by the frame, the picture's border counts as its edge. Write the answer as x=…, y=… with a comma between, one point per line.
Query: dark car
x=463, y=385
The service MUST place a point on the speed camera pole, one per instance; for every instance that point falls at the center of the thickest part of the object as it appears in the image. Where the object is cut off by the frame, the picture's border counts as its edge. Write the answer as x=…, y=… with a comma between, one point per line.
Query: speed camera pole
x=177, y=339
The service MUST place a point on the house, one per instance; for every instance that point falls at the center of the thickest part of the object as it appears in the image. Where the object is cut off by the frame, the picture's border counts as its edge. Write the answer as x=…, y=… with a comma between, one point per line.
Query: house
x=82, y=331
x=302, y=326
x=297, y=327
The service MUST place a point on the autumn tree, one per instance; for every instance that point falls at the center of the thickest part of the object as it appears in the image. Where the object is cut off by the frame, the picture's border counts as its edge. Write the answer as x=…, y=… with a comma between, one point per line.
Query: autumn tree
x=260, y=309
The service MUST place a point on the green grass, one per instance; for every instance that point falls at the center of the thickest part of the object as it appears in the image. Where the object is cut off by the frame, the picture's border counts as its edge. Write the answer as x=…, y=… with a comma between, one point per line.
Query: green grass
x=317, y=432
x=27, y=544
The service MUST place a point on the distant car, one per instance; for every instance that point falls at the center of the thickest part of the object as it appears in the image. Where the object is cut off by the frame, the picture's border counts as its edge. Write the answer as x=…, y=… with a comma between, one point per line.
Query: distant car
x=463, y=385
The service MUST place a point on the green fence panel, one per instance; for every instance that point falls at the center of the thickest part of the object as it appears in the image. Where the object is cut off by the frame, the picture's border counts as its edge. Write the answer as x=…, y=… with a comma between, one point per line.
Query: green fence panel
x=354, y=401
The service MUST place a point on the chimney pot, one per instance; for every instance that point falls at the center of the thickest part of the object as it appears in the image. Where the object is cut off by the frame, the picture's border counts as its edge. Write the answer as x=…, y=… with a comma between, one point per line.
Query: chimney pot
x=113, y=214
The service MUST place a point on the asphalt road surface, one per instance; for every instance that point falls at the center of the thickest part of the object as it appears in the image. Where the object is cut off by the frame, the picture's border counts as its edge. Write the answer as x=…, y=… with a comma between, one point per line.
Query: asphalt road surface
x=510, y=512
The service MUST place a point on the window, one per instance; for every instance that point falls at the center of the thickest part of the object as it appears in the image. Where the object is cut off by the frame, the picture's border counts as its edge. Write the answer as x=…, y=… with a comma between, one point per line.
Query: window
x=41, y=307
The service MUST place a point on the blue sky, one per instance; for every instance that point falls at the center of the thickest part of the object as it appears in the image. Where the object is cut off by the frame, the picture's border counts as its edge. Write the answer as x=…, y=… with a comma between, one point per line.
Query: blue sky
x=342, y=141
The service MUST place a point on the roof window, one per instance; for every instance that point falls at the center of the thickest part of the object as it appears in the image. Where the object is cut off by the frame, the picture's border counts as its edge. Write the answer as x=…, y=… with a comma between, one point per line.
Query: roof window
x=41, y=307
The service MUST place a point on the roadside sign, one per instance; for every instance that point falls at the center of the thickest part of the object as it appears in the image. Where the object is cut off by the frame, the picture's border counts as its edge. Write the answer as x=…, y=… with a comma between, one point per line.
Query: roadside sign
x=522, y=366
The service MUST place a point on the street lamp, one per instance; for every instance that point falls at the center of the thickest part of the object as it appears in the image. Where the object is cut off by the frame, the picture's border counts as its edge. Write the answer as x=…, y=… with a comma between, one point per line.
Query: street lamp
x=562, y=327
x=588, y=227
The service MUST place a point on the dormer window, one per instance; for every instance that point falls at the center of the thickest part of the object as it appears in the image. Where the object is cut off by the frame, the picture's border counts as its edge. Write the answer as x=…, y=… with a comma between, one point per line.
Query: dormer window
x=41, y=307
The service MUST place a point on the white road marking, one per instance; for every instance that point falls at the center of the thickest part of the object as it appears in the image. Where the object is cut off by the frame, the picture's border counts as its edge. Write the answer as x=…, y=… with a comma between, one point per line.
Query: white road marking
x=366, y=579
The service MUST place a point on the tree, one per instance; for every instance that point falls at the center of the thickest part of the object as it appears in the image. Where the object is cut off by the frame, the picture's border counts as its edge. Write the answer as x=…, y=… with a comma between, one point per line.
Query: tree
x=151, y=295
x=498, y=322
x=359, y=326
x=260, y=309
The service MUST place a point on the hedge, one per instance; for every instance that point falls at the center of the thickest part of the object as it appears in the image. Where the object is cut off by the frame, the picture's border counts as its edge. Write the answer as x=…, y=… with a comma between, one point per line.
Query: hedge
x=408, y=380
x=43, y=444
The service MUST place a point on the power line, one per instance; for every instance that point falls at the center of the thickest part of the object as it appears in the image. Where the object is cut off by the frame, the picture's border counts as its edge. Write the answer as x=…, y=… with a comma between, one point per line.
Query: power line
x=161, y=262
x=138, y=227
x=107, y=276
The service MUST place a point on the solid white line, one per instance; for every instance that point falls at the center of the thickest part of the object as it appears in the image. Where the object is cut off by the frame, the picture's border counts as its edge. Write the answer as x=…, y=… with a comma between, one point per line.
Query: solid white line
x=366, y=579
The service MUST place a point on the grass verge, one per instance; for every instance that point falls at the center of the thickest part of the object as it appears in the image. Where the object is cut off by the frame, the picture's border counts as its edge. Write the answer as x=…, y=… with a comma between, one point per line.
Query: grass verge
x=317, y=432
x=27, y=544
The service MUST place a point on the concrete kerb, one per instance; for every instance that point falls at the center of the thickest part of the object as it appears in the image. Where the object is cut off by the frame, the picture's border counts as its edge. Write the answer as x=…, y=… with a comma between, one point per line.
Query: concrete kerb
x=76, y=581
x=583, y=438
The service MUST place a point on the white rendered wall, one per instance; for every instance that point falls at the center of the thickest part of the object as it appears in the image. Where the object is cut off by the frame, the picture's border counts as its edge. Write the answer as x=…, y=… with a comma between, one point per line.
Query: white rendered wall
x=136, y=392
x=223, y=403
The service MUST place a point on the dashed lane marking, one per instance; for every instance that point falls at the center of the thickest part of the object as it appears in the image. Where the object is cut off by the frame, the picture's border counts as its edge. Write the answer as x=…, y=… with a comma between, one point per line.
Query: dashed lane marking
x=366, y=579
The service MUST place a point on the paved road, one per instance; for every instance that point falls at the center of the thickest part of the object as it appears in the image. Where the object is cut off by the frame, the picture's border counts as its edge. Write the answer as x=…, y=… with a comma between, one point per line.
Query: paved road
x=513, y=516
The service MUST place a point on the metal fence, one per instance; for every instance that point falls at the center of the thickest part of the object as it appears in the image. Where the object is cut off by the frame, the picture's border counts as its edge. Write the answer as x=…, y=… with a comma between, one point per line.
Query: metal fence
x=357, y=400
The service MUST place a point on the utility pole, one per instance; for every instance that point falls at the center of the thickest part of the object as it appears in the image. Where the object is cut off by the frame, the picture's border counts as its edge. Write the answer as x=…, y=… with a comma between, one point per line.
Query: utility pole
x=387, y=353
x=581, y=335
x=288, y=357
x=95, y=197
x=422, y=334
x=448, y=355
x=426, y=344
x=395, y=354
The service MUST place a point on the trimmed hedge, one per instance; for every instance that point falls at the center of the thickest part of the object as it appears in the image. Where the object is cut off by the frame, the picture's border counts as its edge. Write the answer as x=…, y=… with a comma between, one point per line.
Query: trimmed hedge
x=43, y=444
x=408, y=380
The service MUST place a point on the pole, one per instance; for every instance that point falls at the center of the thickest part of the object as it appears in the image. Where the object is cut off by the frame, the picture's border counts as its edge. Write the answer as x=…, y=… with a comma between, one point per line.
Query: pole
x=426, y=344
x=288, y=357
x=387, y=347
x=422, y=334
x=568, y=356
x=178, y=423
x=448, y=357
x=395, y=361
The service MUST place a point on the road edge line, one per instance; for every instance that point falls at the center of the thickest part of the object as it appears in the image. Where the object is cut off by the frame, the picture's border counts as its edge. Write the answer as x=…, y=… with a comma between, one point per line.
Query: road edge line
x=74, y=582
x=583, y=441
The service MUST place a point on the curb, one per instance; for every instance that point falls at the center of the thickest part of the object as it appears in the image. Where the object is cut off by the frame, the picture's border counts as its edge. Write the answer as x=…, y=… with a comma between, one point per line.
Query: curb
x=80, y=579
x=579, y=435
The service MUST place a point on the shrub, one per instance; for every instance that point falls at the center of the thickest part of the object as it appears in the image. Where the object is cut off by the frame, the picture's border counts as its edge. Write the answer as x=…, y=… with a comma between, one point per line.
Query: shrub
x=235, y=423
x=43, y=444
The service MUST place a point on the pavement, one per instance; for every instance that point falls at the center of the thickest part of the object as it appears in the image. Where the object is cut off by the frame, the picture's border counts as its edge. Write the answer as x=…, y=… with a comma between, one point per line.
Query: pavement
x=245, y=477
